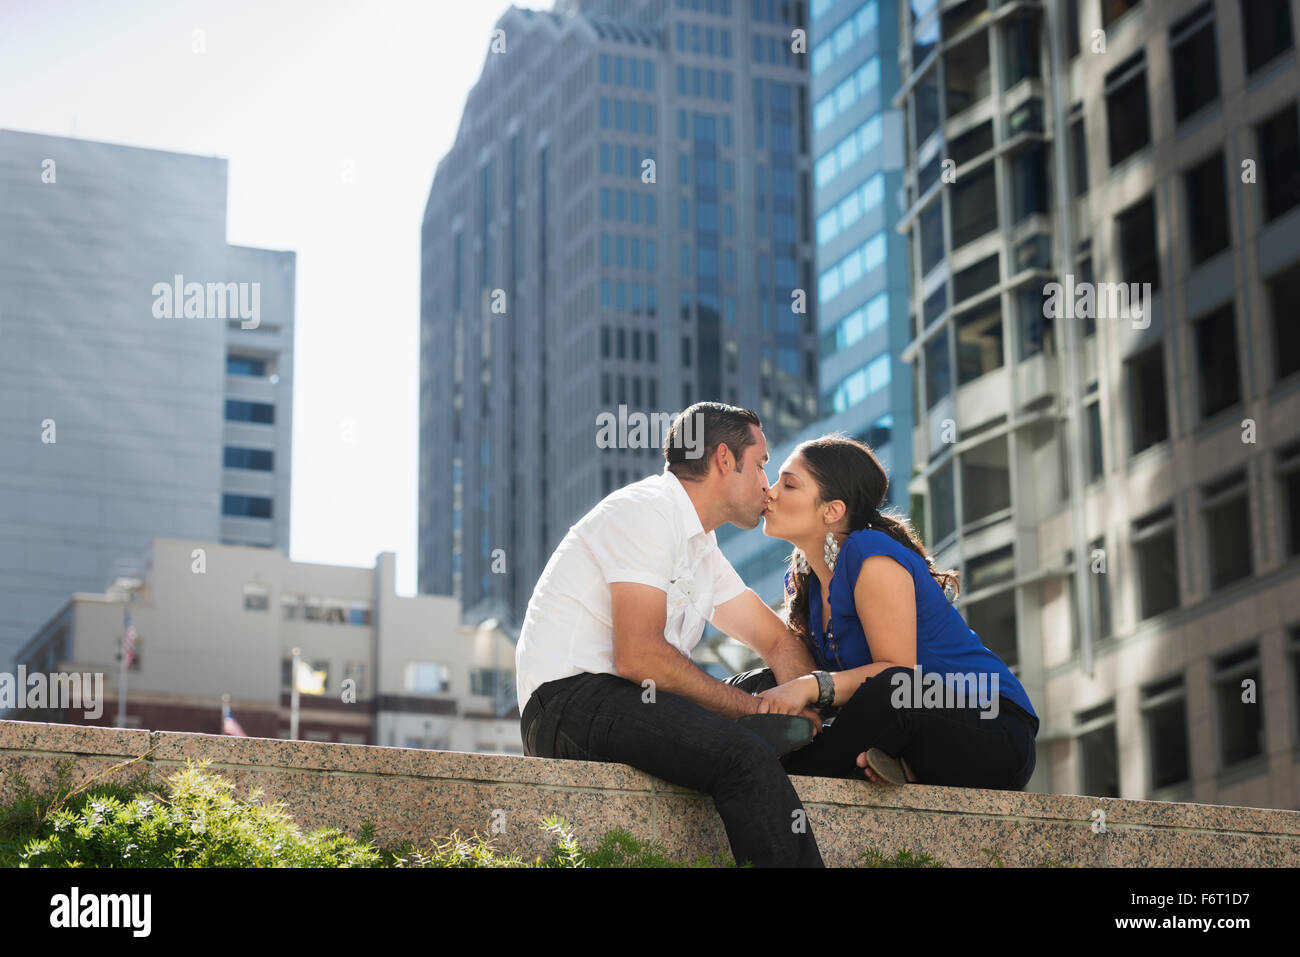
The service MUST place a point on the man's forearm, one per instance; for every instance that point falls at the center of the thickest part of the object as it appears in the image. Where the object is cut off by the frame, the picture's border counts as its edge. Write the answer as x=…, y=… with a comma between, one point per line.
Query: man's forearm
x=674, y=672
x=789, y=658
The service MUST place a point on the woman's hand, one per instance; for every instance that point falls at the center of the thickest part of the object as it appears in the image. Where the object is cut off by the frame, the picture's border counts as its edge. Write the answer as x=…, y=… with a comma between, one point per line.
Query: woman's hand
x=790, y=698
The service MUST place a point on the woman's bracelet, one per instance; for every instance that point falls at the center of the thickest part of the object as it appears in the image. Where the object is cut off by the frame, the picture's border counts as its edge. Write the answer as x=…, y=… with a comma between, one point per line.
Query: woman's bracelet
x=825, y=689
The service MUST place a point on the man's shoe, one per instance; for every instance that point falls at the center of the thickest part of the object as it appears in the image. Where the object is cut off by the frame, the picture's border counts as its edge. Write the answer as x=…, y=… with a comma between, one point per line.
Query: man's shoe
x=894, y=770
x=783, y=732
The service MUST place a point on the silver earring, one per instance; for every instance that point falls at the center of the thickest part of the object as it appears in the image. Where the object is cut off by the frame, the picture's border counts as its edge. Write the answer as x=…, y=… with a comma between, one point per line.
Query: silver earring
x=831, y=551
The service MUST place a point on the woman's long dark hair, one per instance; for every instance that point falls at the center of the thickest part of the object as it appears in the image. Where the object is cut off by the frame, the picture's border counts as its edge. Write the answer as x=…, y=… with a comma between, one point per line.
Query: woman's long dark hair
x=848, y=470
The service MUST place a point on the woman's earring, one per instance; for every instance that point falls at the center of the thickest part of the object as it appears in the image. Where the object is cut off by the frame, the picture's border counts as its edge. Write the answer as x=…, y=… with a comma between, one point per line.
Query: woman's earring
x=832, y=550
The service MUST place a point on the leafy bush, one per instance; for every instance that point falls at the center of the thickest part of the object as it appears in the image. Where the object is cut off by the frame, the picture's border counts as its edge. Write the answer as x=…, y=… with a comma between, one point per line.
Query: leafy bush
x=874, y=857
x=193, y=819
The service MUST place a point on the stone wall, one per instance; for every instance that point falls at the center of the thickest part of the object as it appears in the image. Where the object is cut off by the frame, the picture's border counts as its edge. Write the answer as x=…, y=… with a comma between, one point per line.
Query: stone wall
x=416, y=794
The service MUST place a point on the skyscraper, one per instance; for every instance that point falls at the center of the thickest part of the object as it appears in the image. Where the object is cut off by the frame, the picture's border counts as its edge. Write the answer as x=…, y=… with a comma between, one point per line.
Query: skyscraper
x=1104, y=211
x=861, y=290
x=146, y=369
x=624, y=221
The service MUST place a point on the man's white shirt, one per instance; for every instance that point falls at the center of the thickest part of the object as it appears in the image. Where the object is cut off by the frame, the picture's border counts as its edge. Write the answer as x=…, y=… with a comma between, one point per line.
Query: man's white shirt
x=647, y=532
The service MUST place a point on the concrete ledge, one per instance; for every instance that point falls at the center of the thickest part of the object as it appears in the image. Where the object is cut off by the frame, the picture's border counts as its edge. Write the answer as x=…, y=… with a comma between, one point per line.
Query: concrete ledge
x=417, y=794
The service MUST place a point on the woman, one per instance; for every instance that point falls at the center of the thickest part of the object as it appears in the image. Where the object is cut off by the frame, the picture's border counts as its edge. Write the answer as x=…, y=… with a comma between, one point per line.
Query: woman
x=869, y=576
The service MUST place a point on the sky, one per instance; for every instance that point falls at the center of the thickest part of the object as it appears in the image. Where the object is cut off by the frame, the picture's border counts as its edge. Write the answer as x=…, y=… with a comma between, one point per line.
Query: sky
x=332, y=115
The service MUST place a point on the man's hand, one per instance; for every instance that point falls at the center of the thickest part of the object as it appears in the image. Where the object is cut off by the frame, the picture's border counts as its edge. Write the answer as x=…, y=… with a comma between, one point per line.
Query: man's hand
x=791, y=697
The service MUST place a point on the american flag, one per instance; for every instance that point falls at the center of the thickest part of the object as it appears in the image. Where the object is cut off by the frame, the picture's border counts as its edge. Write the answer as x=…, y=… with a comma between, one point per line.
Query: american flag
x=229, y=725
x=128, y=643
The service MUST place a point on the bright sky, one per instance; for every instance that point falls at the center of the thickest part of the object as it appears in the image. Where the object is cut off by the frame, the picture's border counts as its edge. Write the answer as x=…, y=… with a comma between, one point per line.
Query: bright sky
x=288, y=91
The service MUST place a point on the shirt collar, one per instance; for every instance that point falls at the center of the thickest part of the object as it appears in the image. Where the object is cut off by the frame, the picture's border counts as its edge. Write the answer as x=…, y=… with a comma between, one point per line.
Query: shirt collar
x=689, y=518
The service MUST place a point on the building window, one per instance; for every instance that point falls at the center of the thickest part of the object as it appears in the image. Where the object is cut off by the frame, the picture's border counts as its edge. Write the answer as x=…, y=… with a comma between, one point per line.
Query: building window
x=985, y=481
x=1207, y=208
x=1241, y=723
x=1139, y=253
x=427, y=677
x=943, y=504
x=256, y=598
x=246, y=366
x=1098, y=751
x=1112, y=10
x=938, y=382
x=979, y=341
x=971, y=144
x=966, y=70
x=1195, y=61
x=1071, y=28
x=238, y=410
x=991, y=568
x=1218, y=376
x=256, y=460
x=490, y=681
x=1155, y=548
x=1127, y=113
x=246, y=506
x=1283, y=294
x=1148, y=415
x=1096, y=460
x=1100, y=591
x=1266, y=29
x=1164, y=716
x=1028, y=182
x=974, y=206
x=932, y=237
x=1037, y=332
x=993, y=619
x=1225, y=506
x=1079, y=154
x=1288, y=474
x=1279, y=160
x=1021, y=43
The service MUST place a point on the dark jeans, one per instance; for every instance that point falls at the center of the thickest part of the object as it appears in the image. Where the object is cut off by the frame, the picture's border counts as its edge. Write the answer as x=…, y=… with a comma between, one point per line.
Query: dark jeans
x=602, y=717
x=951, y=746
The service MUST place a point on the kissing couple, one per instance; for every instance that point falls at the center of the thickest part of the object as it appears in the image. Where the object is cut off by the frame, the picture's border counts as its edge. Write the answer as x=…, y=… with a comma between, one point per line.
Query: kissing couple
x=603, y=664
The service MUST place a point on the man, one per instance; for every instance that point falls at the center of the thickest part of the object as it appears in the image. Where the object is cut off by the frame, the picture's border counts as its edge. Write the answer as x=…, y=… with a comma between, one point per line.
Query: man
x=603, y=661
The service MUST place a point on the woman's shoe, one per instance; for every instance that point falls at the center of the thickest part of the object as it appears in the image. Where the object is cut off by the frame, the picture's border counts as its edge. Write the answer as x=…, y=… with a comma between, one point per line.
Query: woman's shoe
x=894, y=770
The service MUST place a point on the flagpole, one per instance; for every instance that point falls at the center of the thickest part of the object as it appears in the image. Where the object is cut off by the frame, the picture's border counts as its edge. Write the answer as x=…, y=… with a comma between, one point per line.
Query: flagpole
x=293, y=696
x=121, y=669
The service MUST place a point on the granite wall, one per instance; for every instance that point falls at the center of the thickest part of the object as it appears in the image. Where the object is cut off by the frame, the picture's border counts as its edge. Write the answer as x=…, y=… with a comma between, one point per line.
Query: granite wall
x=416, y=794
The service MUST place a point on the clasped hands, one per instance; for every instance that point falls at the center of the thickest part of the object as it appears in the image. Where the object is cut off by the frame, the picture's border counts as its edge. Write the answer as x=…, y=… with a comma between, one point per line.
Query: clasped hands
x=796, y=696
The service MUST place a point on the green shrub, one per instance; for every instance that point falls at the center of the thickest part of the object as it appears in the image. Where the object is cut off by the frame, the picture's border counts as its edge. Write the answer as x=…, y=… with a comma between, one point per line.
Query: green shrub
x=193, y=819
x=874, y=857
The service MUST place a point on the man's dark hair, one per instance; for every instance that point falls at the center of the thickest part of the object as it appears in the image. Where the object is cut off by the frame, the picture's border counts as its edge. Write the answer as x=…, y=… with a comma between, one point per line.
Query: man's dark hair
x=717, y=423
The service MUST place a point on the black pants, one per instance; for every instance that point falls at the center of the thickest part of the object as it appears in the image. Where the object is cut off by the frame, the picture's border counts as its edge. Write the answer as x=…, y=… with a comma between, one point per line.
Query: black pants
x=603, y=717
x=950, y=746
